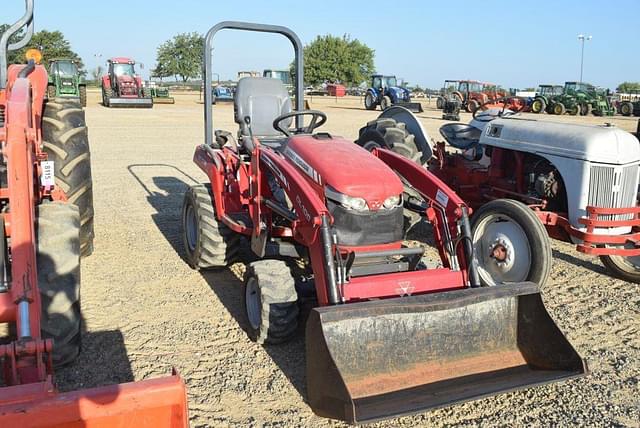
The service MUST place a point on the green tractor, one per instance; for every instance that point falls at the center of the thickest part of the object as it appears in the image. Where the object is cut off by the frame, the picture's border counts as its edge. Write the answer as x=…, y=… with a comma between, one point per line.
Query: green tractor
x=66, y=81
x=583, y=98
x=544, y=97
x=160, y=94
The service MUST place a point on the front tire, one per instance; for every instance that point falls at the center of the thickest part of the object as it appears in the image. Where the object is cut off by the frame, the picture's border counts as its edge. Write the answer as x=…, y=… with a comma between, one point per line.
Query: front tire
x=66, y=142
x=538, y=106
x=626, y=109
x=440, y=103
x=574, y=110
x=627, y=268
x=208, y=243
x=270, y=302
x=510, y=244
x=58, y=262
x=472, y=106
x=389, y=134
x=559, y=109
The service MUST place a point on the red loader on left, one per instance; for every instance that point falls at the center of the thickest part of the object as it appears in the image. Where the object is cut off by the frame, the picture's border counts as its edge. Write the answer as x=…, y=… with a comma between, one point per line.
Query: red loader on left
x=40, y=227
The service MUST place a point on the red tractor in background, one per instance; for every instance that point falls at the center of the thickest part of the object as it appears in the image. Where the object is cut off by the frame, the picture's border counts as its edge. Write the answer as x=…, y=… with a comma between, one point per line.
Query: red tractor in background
x=122, y=87
x=325, y=220
x=40, y=249
x=470, y=94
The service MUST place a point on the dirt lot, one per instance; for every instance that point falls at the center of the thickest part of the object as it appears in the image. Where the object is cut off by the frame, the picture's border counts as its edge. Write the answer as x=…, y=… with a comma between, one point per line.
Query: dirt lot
x=146, y=310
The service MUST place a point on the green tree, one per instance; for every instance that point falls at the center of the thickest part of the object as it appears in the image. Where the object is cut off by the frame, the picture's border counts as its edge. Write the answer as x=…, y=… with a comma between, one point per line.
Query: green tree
x=180, y=57
x=626, y=87
x=337, y=59
x=52, y=44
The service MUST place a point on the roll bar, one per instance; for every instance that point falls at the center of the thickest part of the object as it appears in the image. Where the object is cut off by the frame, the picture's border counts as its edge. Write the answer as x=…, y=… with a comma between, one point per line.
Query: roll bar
x=5, y=47
x=248, y=26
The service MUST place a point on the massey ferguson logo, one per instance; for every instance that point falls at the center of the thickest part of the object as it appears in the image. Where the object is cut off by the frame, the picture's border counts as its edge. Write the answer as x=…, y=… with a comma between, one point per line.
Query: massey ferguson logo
x=374, y=205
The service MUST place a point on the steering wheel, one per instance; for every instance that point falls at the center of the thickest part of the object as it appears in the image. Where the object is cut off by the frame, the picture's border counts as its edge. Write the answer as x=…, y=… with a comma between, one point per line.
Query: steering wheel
x=315, y=115
x=498, y=112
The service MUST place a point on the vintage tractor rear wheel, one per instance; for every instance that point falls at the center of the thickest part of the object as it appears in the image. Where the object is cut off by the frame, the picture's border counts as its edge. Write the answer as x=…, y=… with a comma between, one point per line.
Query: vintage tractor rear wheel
x=270, y=301
x=559, y=109
x=627, y=268
x=83, y=95
x=538, y=105
x=58, y=259
x=66, y=142
x=389, y=134
x=369, y=101
x=385, y=103
x=208, y=243
x=626, y=109
x=510, y=244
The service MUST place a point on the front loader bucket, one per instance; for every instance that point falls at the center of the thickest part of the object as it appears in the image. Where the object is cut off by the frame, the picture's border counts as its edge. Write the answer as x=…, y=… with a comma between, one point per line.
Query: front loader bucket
x=378, y=359
x=412, y=107
x=153, y=403
x=131, y=102
x=164, y=100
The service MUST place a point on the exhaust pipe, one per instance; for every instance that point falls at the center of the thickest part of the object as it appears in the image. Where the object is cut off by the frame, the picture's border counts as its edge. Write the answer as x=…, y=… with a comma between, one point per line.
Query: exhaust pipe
x=379, y=359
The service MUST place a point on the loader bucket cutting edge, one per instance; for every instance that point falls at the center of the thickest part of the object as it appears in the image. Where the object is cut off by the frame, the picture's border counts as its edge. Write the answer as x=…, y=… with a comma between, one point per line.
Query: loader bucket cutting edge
x=380, y=359
x=152, y=403
x=131, y=102
x=164, y=100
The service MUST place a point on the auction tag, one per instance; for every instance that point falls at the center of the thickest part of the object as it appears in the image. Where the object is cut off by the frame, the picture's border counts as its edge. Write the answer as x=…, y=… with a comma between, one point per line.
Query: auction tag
x=47, y=178
x=442, y=198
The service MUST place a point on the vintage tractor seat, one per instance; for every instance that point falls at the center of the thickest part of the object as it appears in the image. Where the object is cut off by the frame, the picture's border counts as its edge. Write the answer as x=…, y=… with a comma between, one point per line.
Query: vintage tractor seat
x=262, y=99
x=460, y=135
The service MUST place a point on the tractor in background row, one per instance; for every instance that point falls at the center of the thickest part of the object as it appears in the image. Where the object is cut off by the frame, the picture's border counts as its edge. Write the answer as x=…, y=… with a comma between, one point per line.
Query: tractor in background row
x=545, y=94
x=385, y=92
x=580, y=98
x=122, y=87
x=44, y=170
x=470, y=94
x=66, y=81
x=159, y=94
x=629, y=104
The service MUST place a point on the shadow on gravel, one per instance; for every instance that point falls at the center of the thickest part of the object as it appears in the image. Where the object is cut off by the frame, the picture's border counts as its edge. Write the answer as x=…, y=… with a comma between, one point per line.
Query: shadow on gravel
x=167, y=203
x=587, y=264
x=102, y=361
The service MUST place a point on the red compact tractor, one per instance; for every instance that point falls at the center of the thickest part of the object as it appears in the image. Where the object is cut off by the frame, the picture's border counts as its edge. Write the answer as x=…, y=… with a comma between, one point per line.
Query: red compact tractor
x=40, y=249
x=122, y=87
x=390, y=336
x=471, y=94
x=579, y=182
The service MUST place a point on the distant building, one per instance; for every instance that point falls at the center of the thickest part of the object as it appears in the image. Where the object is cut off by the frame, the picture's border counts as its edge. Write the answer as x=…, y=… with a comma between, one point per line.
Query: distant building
x=242, y=74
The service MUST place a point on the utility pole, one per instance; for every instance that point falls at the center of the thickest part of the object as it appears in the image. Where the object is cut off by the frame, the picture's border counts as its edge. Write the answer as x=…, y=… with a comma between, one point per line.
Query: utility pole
x=582, y=39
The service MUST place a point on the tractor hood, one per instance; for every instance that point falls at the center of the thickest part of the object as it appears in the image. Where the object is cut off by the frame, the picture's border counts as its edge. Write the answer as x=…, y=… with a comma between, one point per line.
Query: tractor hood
x=346, y=167
x=602, y=144
x=126, y=79
x=400, y=93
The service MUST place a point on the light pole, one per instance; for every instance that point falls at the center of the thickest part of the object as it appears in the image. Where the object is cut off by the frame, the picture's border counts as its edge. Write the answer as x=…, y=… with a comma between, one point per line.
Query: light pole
x=582, y=39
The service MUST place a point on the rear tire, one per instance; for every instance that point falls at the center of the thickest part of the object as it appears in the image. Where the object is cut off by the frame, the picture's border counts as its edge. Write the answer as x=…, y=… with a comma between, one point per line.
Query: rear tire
x=208, y=243
x=58, y=261
x=270, y=301
x=389, y=134
x=627, y=268
x=538, y=106
x=83, y=95
x=66, y=142
x=509, y=229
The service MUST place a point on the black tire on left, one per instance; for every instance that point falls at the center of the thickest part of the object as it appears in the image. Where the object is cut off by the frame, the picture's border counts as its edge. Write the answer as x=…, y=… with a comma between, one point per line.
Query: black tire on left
x=66, y=142
x=83, y=95
x=58, y=262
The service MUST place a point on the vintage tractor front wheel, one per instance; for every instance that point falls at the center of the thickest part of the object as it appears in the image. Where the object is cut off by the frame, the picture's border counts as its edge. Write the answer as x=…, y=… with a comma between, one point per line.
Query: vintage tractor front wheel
x=627, y=268
x=270, y=301
x=208, y=243
x=388, y=134
x=510, y=244
x=58, y=260
x=66, y=142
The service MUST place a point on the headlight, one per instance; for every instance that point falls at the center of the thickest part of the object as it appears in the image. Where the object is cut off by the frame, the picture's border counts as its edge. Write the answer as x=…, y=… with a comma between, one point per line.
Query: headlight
x=348, y=202
x=392, y=202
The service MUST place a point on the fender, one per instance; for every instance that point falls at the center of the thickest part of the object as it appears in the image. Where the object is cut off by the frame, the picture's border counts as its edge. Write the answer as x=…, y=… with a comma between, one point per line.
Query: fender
x=374, y=92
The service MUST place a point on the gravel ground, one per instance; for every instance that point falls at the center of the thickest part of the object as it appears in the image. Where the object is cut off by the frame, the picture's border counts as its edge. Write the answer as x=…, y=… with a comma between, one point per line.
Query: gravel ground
x=145, y=310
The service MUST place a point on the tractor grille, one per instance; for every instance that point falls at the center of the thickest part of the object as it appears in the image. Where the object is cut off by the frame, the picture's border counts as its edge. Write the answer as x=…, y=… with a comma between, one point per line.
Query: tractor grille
x=613, y=187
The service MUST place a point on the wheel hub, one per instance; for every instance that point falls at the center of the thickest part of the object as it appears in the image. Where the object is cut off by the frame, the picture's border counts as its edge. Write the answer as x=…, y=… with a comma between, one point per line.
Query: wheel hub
x=502, y=253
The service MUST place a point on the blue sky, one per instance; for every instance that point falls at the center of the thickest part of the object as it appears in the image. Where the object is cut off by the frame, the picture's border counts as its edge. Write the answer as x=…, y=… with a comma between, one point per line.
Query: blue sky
x=512, y=43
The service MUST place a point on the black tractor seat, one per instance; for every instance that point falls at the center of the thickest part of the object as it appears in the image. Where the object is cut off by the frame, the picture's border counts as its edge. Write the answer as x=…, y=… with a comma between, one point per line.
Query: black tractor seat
x=460, y=135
